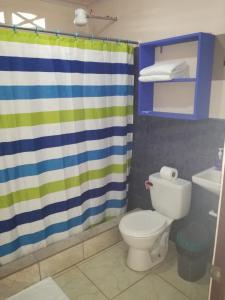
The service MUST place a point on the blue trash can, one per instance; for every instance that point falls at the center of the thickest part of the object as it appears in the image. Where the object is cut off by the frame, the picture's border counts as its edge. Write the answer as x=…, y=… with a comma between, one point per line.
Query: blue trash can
x=193, y=244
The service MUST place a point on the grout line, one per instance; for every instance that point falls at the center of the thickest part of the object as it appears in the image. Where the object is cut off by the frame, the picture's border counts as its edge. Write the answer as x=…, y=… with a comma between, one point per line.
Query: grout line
x=110, y=225
x=151, y=271
x=83, y=249
x=39, y=270
x=94, y=284
x=174, y=286
x=59, y=273
x=81, y=261
x=66, y=270
x=98, y=253
x=170, y=283
x=148, y=273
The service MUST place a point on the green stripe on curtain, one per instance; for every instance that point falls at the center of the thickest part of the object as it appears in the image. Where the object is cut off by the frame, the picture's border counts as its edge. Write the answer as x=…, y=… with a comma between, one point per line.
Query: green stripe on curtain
x=49, y=117
x=33, y=38
x=59, y=185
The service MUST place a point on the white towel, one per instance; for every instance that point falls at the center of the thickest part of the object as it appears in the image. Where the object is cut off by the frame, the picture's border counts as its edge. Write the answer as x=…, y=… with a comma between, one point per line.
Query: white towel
x=164, y=68
x=154, y=78
x=163, y=77
x=47, y=289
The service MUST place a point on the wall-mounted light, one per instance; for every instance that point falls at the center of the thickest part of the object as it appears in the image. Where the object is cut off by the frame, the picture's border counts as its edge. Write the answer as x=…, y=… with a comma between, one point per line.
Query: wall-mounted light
x=82, y=16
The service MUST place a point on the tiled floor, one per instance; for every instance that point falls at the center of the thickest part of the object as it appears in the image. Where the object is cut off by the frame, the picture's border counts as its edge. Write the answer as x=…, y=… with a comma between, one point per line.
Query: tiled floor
x=106, y=276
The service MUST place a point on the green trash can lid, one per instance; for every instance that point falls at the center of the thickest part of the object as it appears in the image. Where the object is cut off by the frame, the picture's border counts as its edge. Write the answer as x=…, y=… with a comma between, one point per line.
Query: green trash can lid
x=194, y=238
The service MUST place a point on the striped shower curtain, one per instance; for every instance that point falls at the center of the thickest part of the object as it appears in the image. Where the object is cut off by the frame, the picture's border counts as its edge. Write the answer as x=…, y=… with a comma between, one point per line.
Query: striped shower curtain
x=65, y=137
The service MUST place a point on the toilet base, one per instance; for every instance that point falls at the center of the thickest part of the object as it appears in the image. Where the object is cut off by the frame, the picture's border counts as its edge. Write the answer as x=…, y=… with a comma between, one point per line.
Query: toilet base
x=140, y=260
x=144, y=259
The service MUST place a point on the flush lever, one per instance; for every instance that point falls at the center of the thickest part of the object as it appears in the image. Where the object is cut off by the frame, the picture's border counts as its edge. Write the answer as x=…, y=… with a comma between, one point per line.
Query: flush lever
x=148, y=184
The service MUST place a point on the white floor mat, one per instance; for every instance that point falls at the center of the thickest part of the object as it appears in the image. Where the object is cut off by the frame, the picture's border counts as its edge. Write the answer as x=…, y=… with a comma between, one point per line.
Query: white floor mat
x=46, y=289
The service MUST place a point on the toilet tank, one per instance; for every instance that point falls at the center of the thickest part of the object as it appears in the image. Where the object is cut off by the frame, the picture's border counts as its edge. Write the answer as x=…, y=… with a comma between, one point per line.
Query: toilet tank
x=171, y=198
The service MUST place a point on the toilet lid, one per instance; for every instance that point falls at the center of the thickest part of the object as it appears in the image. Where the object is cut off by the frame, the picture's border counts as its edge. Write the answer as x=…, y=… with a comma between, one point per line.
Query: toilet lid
x=142, y=223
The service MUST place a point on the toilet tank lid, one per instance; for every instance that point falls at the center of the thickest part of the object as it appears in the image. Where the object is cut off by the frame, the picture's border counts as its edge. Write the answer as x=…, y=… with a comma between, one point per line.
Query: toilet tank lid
x=178, y=181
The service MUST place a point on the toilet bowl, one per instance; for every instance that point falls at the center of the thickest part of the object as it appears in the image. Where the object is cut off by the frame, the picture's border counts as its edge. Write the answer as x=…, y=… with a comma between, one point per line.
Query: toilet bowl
x=146, y=232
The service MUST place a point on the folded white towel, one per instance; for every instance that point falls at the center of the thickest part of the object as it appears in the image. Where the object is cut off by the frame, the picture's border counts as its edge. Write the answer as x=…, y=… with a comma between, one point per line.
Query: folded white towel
x=154, y=78
x=163, y=77
x=164, y=68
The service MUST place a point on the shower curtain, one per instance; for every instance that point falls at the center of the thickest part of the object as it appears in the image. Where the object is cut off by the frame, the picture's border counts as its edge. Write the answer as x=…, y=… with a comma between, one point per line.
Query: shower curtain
x=65, y=137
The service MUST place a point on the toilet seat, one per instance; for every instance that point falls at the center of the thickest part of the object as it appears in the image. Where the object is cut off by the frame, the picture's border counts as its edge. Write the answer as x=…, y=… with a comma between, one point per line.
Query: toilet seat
x=142, y=223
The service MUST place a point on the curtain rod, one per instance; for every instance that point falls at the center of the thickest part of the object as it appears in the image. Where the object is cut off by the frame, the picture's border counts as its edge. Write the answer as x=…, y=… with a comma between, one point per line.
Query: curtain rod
x=78, y=35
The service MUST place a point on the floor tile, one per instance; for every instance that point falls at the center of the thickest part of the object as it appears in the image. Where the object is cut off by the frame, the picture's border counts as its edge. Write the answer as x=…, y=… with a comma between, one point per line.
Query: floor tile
x=151, y=287
x=101, y=241
x=77, y=287
x=109, y=272
x=19, y=281
x=193, y=290
x=61, y=261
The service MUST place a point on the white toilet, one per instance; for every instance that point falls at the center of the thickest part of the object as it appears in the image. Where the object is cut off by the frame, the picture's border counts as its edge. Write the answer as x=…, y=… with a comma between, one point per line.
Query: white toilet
x=147, y=232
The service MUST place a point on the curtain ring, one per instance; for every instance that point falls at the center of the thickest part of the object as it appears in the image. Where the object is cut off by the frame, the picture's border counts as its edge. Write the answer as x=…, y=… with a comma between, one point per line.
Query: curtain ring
x=106, y=40
x=57, y=33
x=76, y=35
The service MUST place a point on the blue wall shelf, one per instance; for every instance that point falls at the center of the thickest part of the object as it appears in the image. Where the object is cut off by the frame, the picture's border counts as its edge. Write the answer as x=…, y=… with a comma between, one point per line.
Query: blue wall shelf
x=205, y=50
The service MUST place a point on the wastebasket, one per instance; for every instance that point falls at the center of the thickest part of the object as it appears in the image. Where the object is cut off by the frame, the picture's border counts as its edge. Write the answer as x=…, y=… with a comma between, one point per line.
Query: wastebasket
x=192, y=243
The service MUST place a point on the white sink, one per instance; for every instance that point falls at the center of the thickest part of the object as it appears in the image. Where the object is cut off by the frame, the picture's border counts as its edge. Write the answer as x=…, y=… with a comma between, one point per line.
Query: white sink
x=209, y=179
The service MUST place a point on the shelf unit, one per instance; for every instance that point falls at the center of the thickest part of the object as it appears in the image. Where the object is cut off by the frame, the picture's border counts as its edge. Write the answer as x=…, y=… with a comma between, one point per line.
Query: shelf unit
x=201, y=82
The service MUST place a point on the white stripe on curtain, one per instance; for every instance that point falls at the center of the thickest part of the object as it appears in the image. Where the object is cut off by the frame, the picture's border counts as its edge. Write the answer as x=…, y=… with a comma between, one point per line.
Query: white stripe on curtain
x=59, y=52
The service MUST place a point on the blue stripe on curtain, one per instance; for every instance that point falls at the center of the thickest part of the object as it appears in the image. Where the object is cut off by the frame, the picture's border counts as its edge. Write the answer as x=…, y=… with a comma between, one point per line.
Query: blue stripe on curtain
x=10, y=63
x=59, y=227
x=39, y=214
x=9, y=148
x=62, y=91
x=61, y=163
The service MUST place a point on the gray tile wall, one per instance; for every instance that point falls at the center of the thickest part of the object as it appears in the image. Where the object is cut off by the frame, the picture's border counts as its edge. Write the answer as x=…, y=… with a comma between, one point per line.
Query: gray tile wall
x=189, y=146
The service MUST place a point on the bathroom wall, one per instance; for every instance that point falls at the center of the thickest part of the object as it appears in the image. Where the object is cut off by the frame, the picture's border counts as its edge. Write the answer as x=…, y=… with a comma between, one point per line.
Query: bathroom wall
x=58, y=14
x=139, y=20
x=147, y=20
x=189, y=146
x=186, y=145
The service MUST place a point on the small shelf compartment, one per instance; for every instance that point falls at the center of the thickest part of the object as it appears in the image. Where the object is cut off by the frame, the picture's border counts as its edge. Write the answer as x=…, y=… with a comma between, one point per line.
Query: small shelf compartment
x=181, y=98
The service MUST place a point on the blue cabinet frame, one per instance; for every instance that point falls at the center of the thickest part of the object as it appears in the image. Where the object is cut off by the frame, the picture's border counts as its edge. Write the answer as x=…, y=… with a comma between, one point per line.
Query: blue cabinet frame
x=202, y=81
